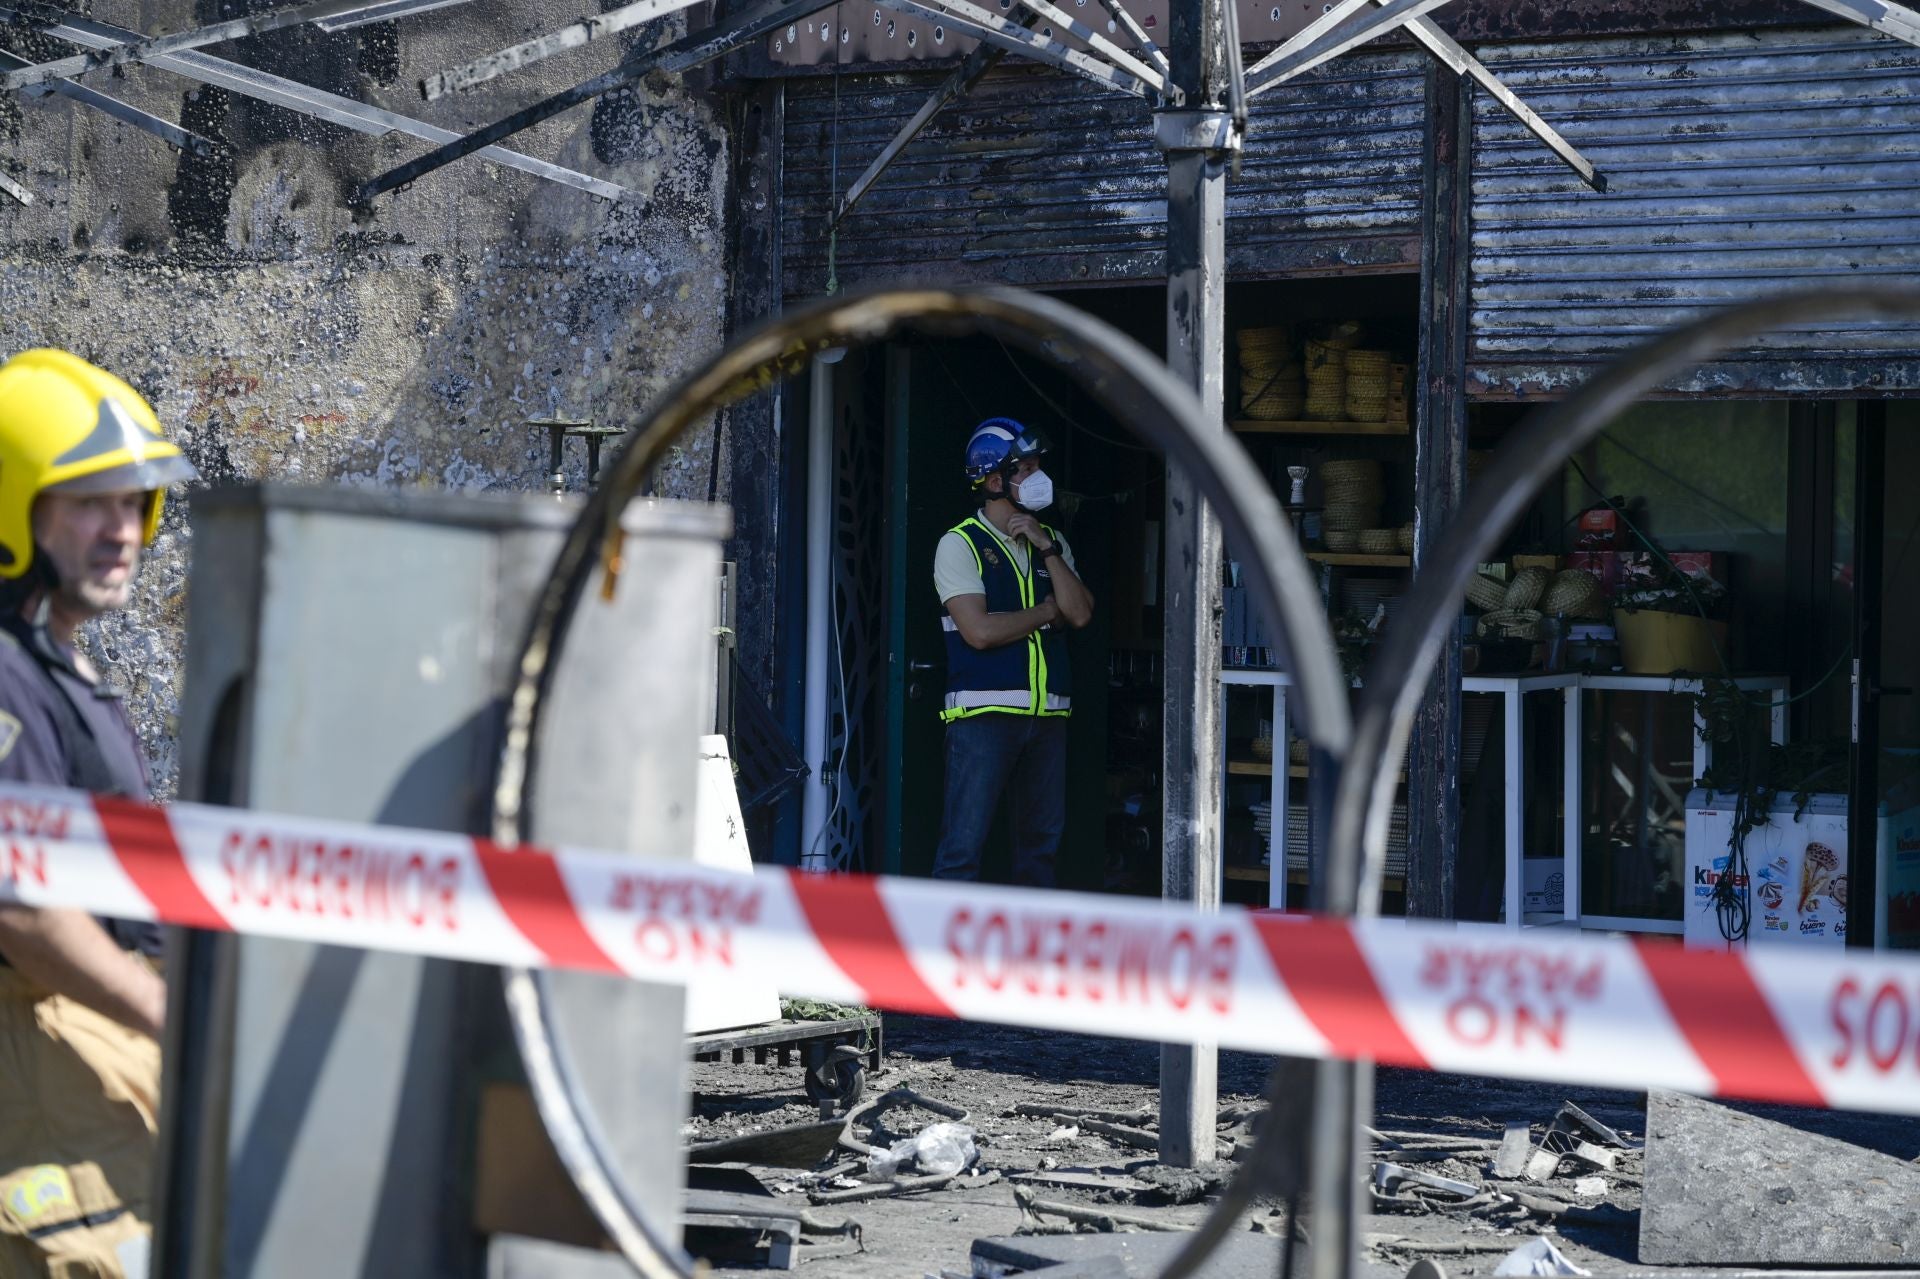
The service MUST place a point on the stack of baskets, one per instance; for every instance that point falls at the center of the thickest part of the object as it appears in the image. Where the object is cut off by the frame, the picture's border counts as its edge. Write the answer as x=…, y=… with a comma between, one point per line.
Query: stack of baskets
x=1272, y=387
x=1515, y=610
x=1326, y=397
x=1366, y=385
x=1354, y=493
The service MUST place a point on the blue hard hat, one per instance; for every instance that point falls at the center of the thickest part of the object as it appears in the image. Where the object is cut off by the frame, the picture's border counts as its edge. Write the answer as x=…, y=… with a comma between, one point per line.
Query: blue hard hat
x=997, y=443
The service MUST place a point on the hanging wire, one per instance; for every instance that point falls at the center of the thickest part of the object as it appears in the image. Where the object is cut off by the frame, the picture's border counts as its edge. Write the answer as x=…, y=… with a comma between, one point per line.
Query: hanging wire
x=1061, y=412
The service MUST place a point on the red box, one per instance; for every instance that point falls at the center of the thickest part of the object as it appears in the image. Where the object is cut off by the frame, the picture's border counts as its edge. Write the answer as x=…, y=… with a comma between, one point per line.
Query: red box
x=1630, y=570
x=1598, y=530
x=1608, y=566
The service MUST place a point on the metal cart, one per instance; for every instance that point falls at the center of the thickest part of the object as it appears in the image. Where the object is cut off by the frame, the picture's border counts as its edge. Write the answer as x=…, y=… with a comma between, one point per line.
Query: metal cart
x=837, y=1054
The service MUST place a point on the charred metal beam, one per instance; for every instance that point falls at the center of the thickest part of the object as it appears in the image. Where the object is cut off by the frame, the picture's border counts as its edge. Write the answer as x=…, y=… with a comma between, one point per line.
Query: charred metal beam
x=1115, y=54
x=1278, y=68
x=571, y=36
x=995, y=29
x=166, y=130
x=982, y=58
x=1895, y=20
x=386, y=11
x=1449, y=51
x=139, y=50
x=689, y=51
x=1440, y=476
x=1332, y=17
x=14, y=189
x=307, y=100
x=1137, y=33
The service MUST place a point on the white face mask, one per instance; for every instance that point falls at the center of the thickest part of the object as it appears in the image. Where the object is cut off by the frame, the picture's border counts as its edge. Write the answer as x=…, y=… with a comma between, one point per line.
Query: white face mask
x=1035, y=493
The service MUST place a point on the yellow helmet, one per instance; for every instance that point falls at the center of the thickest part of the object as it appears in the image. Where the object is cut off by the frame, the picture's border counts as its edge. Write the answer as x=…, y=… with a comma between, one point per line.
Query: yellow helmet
x=67, y=425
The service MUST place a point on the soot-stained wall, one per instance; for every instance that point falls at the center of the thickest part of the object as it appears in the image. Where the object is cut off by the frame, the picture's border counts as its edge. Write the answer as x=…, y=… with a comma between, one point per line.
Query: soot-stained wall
x=281, y=337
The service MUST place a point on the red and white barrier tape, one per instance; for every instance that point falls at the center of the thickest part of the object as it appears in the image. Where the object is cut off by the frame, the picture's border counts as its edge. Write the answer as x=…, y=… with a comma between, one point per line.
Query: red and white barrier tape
x=1838, y=1029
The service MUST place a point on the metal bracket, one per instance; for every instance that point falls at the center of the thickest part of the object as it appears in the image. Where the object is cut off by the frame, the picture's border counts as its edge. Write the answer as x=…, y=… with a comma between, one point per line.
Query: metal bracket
x=1195, y=131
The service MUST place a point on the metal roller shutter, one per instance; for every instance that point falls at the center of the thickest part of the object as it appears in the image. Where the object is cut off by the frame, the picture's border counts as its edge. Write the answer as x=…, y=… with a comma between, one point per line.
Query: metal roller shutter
x=1738, y=166
x=1036, y=178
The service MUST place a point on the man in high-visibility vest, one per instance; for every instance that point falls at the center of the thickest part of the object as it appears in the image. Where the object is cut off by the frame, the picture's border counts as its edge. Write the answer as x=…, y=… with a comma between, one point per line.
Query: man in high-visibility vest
x=84, y=470
x=1010, y=590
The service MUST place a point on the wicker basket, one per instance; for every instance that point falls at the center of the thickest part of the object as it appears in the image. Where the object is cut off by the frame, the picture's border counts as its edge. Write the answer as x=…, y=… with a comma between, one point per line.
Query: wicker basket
x=1297, y=751
x=1365, y=406
x=1276, y=405
x=1528, y=588
x=1379, y=541
x=1370, y=362
x=1511, y=623
x=1353, y=492
x=1341, y=541
x=1485, y=593
x=1403, y=538
x=1340, y=518
x=1350, y=468
x=1577, y=593
x=1272, y=338
x=1261, y=749
x=1324, y=407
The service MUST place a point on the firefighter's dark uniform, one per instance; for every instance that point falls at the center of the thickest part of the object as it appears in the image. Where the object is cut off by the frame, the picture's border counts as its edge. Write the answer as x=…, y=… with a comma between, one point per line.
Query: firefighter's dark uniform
x=79, y=1093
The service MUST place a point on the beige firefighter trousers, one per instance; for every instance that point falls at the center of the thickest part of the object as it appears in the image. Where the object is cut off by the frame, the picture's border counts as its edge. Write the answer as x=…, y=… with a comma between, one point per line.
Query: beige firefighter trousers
x=79, y=1100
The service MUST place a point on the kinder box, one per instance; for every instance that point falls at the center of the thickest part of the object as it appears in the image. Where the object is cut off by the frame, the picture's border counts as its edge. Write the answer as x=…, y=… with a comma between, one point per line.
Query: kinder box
x=1796, y=871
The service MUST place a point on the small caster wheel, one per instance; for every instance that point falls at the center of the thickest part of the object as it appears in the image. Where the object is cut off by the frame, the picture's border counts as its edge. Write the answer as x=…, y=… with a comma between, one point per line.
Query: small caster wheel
x=840, y=1078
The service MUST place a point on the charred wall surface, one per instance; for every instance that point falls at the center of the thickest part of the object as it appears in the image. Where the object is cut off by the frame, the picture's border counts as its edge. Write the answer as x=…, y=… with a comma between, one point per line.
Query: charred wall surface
x=282, y=336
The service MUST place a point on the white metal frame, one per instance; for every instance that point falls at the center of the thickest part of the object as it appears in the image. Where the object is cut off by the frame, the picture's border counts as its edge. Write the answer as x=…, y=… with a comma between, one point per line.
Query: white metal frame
x=1702, y=761
x=1512, y=690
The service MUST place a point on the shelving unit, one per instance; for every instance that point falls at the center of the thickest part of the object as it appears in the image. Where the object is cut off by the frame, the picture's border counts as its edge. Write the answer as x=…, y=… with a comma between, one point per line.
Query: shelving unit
x=1346, y=559
x=1259, y=426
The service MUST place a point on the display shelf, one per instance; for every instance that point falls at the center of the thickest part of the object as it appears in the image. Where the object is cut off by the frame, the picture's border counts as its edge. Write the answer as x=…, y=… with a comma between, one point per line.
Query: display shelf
x=1249, y=768
x=1341, y=559
x=1259, y=426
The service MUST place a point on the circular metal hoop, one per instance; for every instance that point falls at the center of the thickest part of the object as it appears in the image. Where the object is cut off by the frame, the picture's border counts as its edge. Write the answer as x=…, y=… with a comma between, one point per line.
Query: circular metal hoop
x=1129, y=381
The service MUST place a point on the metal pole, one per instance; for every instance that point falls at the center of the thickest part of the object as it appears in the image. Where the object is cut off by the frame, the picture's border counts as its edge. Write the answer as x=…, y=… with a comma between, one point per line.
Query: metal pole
x=815, y=805
x=1198, y=144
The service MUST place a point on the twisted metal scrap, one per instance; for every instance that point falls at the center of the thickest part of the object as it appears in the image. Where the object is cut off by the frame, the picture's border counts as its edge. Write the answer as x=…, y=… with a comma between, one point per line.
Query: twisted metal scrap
x=1129, y=381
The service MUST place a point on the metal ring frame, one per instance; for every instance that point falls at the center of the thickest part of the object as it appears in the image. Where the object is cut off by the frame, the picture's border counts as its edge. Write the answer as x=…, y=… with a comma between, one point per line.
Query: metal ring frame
x=1134, y=386
x=1129, y=381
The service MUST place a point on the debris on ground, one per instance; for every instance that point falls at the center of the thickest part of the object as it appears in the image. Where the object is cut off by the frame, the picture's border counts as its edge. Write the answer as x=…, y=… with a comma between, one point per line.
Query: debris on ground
x=1042, y=1216
x=1538, y=1256
x=1728, y=1188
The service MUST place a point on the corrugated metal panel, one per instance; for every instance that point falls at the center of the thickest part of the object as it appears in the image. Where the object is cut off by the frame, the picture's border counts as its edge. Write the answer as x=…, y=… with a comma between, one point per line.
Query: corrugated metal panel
x=1041, y=179
x=1738, y=166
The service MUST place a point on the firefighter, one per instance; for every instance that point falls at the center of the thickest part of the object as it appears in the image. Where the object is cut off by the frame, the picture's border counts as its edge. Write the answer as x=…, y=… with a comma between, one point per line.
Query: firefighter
x=1010, y=590
x=84, y=470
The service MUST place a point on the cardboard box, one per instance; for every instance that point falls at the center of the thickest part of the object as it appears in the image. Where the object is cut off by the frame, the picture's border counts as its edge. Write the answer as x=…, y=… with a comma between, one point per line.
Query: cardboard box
x=1600, y=529
x=1608, y=566
x=1543, y=884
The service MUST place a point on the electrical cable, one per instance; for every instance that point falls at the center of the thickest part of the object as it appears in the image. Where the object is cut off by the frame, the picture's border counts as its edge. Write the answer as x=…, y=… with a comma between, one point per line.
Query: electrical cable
x=846, y=717
x=1061, y=413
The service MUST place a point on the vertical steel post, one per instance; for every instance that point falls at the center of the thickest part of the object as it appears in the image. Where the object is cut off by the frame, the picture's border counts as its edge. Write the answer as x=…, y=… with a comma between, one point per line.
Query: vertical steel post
x=1198, y=143
x=1440, y=480
x=1863, y=799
